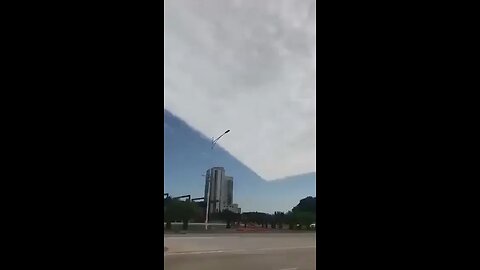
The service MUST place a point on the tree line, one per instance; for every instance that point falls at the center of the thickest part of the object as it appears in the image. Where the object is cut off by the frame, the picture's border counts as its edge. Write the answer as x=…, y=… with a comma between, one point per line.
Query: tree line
x=300, y=217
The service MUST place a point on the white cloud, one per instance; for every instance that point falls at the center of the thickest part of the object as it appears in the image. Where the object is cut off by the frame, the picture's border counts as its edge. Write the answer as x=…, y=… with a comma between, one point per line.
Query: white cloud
x=248, y=66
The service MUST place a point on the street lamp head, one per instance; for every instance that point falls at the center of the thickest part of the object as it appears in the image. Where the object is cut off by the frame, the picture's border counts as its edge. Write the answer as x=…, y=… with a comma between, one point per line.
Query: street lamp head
x=214, y=141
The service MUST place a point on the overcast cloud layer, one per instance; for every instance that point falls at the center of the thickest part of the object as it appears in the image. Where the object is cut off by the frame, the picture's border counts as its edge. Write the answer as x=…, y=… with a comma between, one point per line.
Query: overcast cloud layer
x=248, y=66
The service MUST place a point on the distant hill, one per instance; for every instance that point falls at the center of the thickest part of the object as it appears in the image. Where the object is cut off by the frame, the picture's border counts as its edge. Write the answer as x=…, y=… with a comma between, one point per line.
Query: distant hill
x=187, y=156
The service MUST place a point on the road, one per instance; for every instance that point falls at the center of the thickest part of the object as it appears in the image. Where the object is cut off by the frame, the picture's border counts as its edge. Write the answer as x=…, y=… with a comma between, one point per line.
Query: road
x=275, y=251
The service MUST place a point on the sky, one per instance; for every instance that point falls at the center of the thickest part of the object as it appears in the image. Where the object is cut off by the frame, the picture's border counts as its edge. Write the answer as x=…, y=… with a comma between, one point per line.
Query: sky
x=248, y=66
x=188, y=155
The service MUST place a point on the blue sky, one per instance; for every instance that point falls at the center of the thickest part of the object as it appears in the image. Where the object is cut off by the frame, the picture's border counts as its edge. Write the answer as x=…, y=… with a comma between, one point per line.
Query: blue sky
x=248, y=66
x=188, y=155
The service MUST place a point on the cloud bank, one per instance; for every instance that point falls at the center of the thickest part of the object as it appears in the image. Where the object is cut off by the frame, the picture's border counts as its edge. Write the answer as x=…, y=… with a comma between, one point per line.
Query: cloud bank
x=248, y=66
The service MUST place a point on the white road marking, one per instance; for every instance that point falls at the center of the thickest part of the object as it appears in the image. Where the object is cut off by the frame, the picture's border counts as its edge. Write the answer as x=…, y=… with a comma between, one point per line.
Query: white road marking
x=281, y=248
x=231, y=250
x=194, y=252
x=197, y=237
x=188, y=237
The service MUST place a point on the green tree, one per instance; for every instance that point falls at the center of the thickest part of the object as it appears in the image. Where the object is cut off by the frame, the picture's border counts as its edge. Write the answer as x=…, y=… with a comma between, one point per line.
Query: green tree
x=188, y=211
x=308, y=204
x=304, y=213
x=228, y=216
x=291, y=219
x=181, y=210
x=258, y=218
x=272, y=220
x=279, y=218
x=168, y=215
x=245, y=219
x=305, y=218
x=282, y=219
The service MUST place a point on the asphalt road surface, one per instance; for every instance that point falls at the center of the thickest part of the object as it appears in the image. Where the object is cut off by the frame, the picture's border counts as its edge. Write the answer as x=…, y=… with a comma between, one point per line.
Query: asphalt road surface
x=275, y=251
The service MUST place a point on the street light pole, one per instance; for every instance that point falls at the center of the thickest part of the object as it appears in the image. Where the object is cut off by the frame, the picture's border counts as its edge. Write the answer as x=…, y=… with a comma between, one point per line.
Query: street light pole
x=210, y=182
x=208, y=199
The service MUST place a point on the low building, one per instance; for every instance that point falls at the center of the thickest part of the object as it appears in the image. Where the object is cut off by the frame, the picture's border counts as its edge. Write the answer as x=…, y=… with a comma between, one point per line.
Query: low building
x=233, y=208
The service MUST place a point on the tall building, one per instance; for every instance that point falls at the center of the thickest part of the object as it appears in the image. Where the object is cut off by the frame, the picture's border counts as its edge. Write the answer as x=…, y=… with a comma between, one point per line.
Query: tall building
x=221, y=191
x=213, y=180
x=229, y=183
